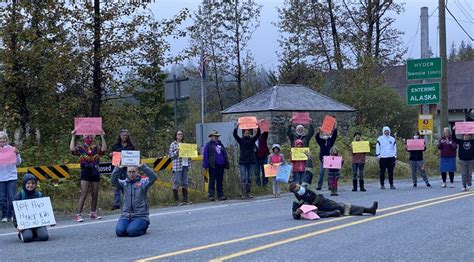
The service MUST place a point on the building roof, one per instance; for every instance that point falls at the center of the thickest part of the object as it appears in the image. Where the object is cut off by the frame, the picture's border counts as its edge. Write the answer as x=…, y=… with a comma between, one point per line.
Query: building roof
x=460, y=83
x=288, y=98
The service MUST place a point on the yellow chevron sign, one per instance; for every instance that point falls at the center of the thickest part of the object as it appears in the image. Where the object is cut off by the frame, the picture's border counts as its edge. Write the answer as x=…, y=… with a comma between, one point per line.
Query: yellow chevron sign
x=49, y=172
x=163, y=163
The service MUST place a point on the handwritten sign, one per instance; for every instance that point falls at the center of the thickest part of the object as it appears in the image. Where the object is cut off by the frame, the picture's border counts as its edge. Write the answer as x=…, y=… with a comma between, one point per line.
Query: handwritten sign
x=248, y=122
x=88, y=125
x=311, y=215
x=360, y=147
x=332, y=162
x=264, y=125
x=415, y=144
x=328, y=124
x=298, y=153
x=300, y=118
x=116, y=158
x=270, y=170
x=307, y=208
x=7, y=155
x=464, y=128
x=188, y=150
x=283, y=174
x=36, y=212
x=130, y=158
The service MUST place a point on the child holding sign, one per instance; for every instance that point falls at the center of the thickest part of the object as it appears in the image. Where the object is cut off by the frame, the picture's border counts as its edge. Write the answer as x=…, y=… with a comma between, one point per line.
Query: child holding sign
x=334, y=173
x=298, y=166
x=416, y=163
x=276, y=158
x=28, y=191
x=358, y=163
x=181, y=167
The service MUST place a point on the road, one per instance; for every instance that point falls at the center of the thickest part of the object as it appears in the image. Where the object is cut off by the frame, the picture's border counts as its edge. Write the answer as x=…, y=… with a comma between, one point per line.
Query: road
x=411, y=225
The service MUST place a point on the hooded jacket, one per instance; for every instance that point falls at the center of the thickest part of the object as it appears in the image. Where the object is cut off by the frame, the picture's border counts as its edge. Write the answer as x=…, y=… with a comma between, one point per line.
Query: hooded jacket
x=386, y=146
x=135, y=203
x=298, y=165
x=25, y=194
x=325, y=145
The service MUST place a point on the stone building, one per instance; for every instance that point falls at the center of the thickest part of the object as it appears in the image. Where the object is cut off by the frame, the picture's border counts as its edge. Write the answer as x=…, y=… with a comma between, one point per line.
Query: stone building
x=277, y=104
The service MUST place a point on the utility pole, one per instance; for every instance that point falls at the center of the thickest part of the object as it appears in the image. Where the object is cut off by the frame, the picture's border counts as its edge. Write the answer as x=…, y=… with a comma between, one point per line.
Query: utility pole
x=444, y=63
x=425, y=45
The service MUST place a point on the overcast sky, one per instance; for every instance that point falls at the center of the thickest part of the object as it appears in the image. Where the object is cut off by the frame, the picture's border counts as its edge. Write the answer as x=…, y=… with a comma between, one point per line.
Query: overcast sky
x=264, y=42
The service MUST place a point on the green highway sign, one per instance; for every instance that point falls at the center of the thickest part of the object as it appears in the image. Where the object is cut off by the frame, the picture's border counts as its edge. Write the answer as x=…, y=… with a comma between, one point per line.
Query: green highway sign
x=418, y=94
x=423, y=68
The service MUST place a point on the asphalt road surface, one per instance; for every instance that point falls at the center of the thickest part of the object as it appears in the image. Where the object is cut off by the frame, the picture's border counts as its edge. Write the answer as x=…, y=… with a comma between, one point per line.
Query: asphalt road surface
x=411, y=225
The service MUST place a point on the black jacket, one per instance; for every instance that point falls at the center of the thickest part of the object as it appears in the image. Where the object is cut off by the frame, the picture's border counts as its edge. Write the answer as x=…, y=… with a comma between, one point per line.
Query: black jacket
x=248, y=148
x=466, y=148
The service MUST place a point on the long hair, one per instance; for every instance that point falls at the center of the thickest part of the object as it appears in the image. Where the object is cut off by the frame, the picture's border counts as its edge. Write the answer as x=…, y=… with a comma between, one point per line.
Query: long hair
x=119, y=139
x=176, y=135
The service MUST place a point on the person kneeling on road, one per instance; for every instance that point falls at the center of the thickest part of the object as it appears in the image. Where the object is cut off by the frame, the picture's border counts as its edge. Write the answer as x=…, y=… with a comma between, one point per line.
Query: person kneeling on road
x=326, y=207
x=134, y=219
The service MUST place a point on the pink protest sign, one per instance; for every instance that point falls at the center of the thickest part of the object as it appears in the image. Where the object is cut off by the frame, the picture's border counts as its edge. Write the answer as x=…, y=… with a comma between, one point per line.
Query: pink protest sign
x=7, y=155
x=311, y=215
x=88, y=125
x=270, y=170
x=328, y=124
x=248, y=122
x=464, y=127
x=116, y=158
x=264, y=125
x=332, y=162
x=307, y=208
x=415, y=144
x=300, y=118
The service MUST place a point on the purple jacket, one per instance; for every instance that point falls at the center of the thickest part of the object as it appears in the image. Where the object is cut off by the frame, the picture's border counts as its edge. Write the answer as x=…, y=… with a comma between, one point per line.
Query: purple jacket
x=447, y=147
x=214, y=154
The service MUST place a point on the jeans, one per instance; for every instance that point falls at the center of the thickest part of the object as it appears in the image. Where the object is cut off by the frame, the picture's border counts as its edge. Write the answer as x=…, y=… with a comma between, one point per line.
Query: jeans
x=321, y=175
x=246, y=171
x=415, y=166
x=180, y=178
x=132, y=227
x=7, y=195
x=358, y=167
x=216, y=177
x=298, y=177
x=261, y=180
x=30, y=234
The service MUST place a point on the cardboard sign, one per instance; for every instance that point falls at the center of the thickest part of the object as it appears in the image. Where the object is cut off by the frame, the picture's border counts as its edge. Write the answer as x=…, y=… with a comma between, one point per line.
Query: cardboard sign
x=425, y=124
x=415, y=144
x=264, y=125
x=283, y=174
x=130, y=158
x=332, y=162
x=311, y=215
x=360, y=147
x=298, y=153
x=188, y=150
x=7, y=155
x=328, y=124
x=300, y=118
x=116, y=158
x=248, y=122
x=270, y=170
x=88, y=125
x=464, y=128
x=307, y=208
x=36, y=212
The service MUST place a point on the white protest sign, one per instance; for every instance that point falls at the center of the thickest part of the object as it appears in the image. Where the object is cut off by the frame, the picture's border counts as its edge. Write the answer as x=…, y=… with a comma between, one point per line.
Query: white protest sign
x=130, y=158
x=36, y=212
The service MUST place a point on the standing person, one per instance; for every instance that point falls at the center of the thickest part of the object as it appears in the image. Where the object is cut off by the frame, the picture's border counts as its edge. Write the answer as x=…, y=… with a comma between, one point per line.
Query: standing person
x=386, y=152
x=89, y=156
x=181, y=167
x=123, y=142
x=466, y=158
x=298, y=167
x=262, y=159
x=276, y=158
x=447, y=160
x=28, y=191
x=325, y=142
x=358, y=163
x=215, y=160
x=8, y=180
x=299, y=133
x=134, y=220
x=334, y=173
x=247, y=159
x=417, y=164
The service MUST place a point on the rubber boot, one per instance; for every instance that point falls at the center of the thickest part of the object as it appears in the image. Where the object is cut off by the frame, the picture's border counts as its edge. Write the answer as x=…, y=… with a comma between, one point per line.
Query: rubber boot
x=354, y=184
x=334, y=187
x=185, y=197
x=361, y=183
x=373, y=209
x=243, y=194
x=175, y=196
x=247, y=191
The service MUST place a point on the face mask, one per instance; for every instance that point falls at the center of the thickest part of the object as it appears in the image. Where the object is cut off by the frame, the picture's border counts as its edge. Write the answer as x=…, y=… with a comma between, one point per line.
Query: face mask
x=301, y=191
x=88, y=141
x=415, y=137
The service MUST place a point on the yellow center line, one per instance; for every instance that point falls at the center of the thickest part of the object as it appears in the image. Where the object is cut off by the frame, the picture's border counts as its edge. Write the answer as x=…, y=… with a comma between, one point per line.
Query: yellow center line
x=319, y=232
x=198, y=248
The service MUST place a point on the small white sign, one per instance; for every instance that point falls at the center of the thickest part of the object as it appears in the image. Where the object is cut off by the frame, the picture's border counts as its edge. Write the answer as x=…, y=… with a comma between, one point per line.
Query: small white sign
x=130, y=158
x=36, y=212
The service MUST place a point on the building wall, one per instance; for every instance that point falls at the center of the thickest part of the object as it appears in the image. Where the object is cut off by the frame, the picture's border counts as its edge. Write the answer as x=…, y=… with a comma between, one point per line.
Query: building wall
x=279, y=121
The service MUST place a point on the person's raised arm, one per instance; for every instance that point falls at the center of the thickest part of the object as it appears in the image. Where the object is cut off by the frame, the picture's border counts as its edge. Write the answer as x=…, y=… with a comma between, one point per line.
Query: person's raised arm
x=455, y=139
x=114, y=178
x=289, y=132
x=72, y=145
x=256, y=136
x=236, y=136
x=150, y=174
x=103, y=146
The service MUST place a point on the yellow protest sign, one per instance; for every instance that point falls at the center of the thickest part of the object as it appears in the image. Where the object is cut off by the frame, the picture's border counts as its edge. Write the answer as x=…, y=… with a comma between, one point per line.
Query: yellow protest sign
x=360, y=147
x=298, y=153
x=188, y=150
x=425, y=124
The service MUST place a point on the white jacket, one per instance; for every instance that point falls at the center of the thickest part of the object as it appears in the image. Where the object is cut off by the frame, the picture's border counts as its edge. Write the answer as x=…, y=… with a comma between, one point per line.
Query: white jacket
x=386, y=145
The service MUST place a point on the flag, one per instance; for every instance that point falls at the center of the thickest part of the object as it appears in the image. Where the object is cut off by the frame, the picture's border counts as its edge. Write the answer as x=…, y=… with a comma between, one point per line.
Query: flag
x=202, y=66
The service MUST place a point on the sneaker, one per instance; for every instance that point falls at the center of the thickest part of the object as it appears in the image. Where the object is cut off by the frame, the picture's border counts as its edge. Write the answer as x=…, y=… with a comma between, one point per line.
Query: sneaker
x=212, y=199
x=4, y=220
x=452, y=185
x=222, y=198
x=428, y=185
x=94, y=216
x=382, y=187
x=468, y=188
x=334, y=194
x=414, y=186
x=78, y=218
x=463, y=189
x=392, y=187
x=443, y=185
x=249, y=195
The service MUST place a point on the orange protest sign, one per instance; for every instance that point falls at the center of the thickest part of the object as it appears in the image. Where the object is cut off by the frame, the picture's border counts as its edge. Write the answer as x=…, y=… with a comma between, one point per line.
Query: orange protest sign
x=270, y=170
x=328, y=124
x=264, y=125
x=116, y=157
x=248, y=122
x=300, y=118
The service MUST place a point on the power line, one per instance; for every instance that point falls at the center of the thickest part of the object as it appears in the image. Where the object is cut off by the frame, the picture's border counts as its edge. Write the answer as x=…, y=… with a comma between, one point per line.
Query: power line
x=463, y=10
x=455, y=19
x=412, y=38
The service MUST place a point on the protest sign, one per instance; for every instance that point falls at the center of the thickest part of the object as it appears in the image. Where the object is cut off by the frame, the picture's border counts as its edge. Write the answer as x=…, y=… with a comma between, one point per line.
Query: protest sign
x=248, y=122
x=130, y=158
x=36, y=212
x=283, y=174
x=7, y=155
x=328, y=124
x=116, y=158
x=415, y=144
x=306, y=208
x=464, y=128
x=332, y=162
x=360, y=147
x=264, y=125
x=298, y=153
x=300, y=118
x=311, y=215
x=270, y=170
x=88, y=125
x=188, y=150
